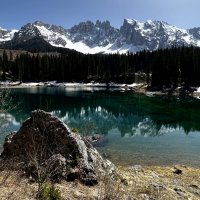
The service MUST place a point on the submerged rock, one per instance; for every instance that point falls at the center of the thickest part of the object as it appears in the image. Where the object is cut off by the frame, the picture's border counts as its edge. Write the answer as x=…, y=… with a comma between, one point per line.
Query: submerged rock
x=96, y=140
x=93, y=138
x=46, y=141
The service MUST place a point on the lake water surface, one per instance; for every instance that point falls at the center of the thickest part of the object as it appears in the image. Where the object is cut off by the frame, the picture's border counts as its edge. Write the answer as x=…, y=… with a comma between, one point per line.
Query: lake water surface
x=138, y=129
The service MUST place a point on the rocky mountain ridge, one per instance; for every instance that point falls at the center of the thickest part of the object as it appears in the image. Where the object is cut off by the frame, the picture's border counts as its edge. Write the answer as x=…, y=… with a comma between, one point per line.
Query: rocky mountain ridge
x=101, y=37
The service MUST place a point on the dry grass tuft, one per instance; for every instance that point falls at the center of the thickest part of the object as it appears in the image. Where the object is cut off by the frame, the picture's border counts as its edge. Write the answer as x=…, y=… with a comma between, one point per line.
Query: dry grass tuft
x=159, y=183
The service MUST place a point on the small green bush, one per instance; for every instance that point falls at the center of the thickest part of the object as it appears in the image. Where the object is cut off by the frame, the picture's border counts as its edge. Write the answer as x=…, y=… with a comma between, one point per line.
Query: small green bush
x=49, y=192
x=75, y=130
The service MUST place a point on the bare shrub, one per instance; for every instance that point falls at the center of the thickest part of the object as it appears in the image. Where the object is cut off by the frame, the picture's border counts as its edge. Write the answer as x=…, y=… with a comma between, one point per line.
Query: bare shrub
x=110, y=188
x=41, y=168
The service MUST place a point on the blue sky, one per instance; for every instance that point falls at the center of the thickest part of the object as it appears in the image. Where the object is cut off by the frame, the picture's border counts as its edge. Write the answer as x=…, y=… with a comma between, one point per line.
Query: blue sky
x=15, y=13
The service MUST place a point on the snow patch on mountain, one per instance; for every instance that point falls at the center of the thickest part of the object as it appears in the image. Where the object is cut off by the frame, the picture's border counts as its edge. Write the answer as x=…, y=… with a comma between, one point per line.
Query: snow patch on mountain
x=2, y=29
x=6, y=35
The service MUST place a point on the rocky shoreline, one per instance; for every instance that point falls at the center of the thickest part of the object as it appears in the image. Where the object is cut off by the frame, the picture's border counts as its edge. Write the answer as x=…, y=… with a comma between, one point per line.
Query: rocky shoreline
x=138, y=183
x=140, y=88
x=70, y=84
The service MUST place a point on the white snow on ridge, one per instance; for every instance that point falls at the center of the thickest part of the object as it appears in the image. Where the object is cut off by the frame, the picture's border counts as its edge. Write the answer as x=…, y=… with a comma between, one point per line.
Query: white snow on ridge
x=45, y=32
x=52, y=37
x=133, y=36
x=12, y=32
x=188, y=39
x=131, y=21
x=8, y=36
x=3, y=29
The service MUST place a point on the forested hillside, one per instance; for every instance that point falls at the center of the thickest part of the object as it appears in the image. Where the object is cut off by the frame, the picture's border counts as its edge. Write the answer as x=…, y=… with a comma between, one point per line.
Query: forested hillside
x=168, y=67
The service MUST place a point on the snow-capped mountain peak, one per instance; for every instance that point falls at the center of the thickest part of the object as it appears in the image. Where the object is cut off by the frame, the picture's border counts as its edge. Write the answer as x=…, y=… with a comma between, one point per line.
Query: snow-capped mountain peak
x=2, y=29
x=100, y=36
x=6, y=35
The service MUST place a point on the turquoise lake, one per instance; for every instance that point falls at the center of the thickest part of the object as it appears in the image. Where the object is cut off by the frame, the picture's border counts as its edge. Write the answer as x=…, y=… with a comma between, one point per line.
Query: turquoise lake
x=138, y=129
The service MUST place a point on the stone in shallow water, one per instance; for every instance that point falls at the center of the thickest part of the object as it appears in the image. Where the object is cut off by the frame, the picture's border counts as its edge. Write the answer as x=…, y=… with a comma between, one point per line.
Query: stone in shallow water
x=136, y=168
x=48, y=141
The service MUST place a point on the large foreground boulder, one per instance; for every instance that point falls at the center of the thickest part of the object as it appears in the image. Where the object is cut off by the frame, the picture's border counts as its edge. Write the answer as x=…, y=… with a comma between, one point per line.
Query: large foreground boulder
x=44, y=141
